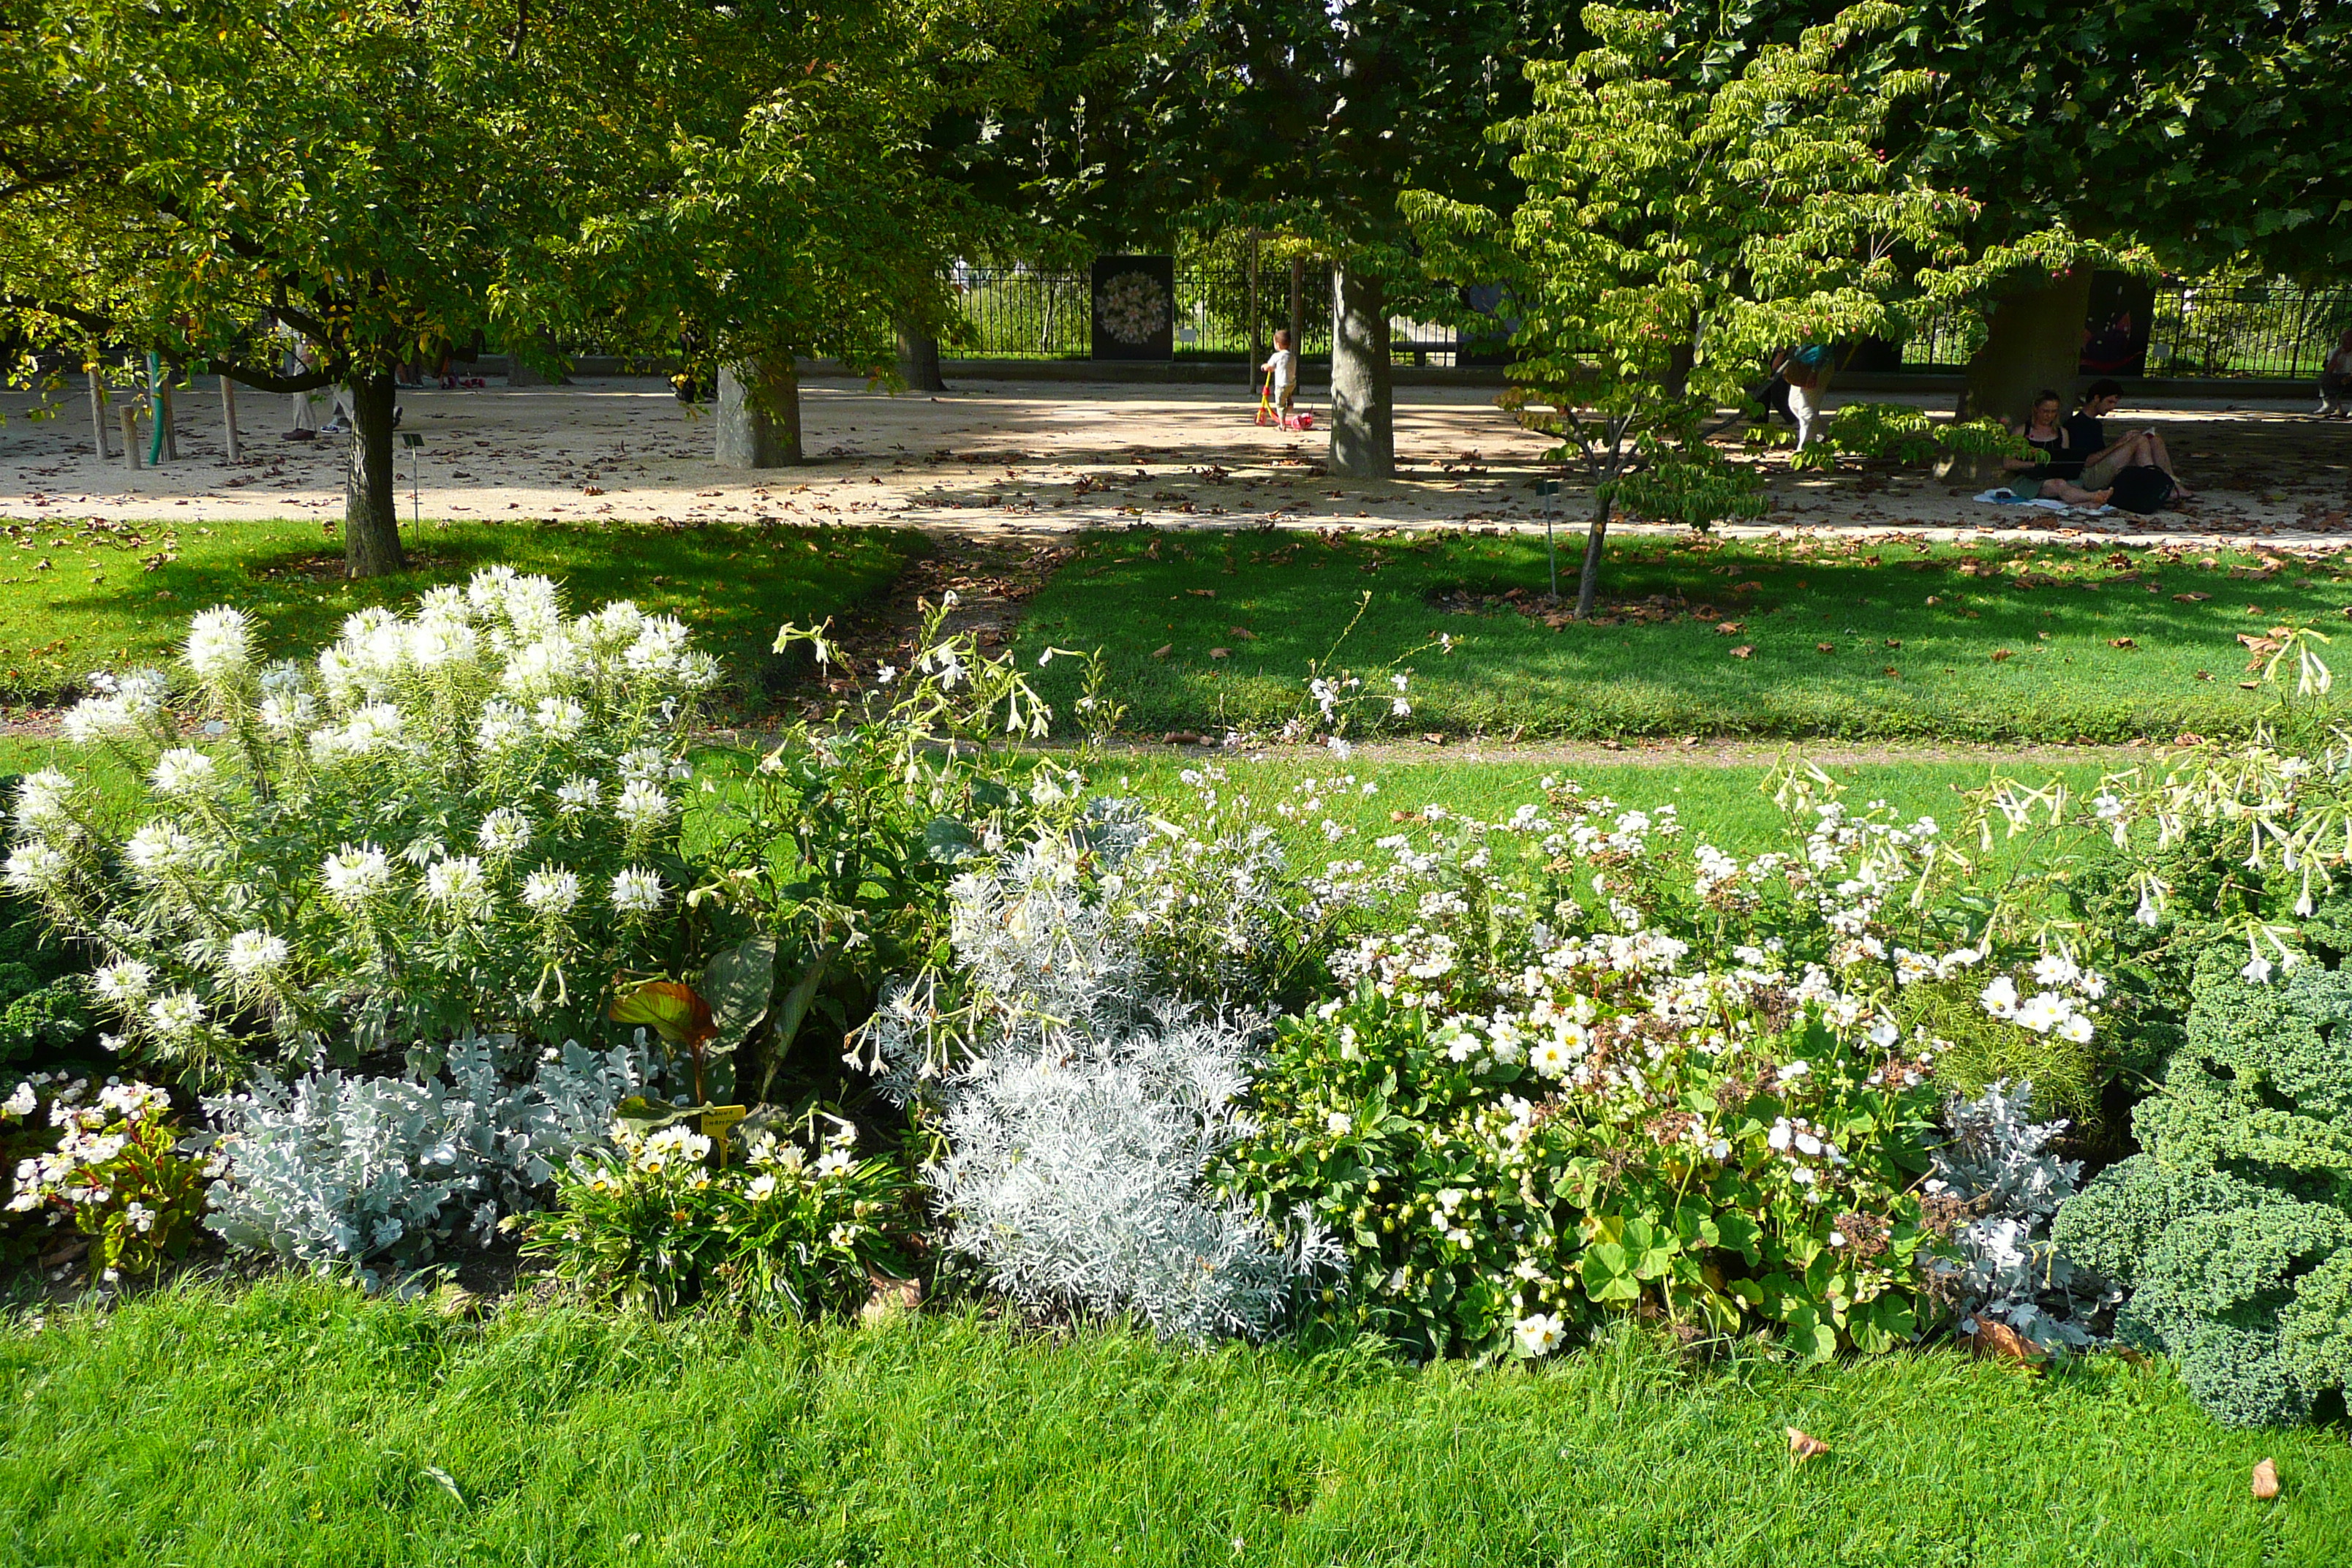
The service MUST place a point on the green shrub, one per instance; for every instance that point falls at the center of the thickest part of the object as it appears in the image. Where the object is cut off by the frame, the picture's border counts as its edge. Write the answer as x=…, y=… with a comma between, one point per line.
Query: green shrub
x=2233, y=1229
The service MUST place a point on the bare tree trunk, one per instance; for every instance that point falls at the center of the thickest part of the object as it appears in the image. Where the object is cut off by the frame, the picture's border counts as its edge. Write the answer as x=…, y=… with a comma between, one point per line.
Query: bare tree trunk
x=228, y=420
x=1298, y=305
x=759, y=413
x=371, y=515
x=97, y=415
x=918, y=359
x=1256, y=343
x=1590, y=583
x=1363, y=429
x=2035, y=343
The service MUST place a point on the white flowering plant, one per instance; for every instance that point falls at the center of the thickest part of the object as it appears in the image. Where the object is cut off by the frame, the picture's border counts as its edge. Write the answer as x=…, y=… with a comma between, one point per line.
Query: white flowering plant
x=466, y=817
x=111, y=1163
x=1594, y=1069
x=829, y=866
x=798, y=1226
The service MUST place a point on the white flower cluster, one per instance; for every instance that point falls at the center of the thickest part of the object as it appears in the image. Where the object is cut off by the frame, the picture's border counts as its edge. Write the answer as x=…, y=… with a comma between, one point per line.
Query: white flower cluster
x=93, y=1128
x=2061, y=1004
x=444, y=814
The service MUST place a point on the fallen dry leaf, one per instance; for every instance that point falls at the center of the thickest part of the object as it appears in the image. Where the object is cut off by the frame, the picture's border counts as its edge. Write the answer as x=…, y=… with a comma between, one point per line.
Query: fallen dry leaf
x=2001, y=653
x=1999, y=1341
x=2115, y=642
x=1182, y=738
x=1729, y=628
x=1892, y=673
x=1434, y=736
x=1803, y=1446
x=2266, y=1480
x=1243, y=632
x=1201, y=593
x=2204, y=675
x=1934, y=600
x=1743, y=650
x=1163, y=651
x=1825, y=648
x=1893, y=642
x=1221, y=653
x=2200, y=598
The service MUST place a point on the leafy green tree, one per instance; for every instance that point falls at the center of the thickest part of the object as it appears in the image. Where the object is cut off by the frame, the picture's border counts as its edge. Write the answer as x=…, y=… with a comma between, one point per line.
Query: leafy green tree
x=366, y=175
x=1675, y=230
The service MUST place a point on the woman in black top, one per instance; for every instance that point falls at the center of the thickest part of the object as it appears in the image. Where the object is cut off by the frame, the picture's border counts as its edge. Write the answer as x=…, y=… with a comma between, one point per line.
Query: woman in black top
x=2057, y=465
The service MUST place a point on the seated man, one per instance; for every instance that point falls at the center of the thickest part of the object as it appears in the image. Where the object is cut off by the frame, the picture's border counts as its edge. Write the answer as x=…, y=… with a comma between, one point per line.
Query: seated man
x=2101, y=460
x=2051, y=473
x=2336, y=381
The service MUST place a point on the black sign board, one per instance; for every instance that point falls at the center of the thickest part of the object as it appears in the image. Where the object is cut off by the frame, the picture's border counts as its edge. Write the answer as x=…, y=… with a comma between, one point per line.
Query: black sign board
x=1135, y=308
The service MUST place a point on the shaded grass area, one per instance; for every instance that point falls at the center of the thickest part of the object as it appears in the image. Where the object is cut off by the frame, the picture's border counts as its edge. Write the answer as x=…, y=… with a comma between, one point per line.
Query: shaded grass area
x=1886, y=638
x=296, y=1422
x=113, y=594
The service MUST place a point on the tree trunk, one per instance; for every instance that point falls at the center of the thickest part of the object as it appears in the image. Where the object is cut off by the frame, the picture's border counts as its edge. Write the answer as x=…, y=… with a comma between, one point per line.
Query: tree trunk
x=2035, y=344
x=1590, y=583
x=1298, y=306
x=1363, y=429
x=759, y=413
x=371, y=512
x=918, y=359
x=521, y=375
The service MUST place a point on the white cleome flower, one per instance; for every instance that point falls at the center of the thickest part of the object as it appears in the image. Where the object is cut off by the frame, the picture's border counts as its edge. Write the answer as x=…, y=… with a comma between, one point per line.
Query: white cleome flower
x=157, y=848
x=577, y=794
x=642, y=806
x=456, y=883
x=354, y=874
x=504, y=832
x=220, y=645
x=560, y=718
x=254, y=954
x=124, y=984
x=184, y=771
x=36, y=868
x=638, y=892
x=43, y=800
x=176, y=1015
x=550, y=890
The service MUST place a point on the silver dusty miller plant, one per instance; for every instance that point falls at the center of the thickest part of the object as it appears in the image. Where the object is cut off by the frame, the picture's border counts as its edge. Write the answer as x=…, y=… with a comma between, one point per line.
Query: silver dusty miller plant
x=344, y=1172
x=1998, y=1161
x=1080, y=1107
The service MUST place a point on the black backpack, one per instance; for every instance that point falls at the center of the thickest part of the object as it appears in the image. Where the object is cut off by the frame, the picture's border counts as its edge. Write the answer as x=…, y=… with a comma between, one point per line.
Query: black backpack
x=2143, y=488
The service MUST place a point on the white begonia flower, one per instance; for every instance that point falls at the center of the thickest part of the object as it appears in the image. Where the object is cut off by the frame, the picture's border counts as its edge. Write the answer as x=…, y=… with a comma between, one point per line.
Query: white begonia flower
x=122, y=984
x=38, y=868
x=220, y=645
x=550, y=890
x=1539, y=1334
x=184, y=771
x=21, y=1102
x=638, y=890
x=254, y=954
x=456, y=883
x=1795, y=1070
x=43, y=800
x=503, y=832
x=642, y=806
x=354, y=874
x=175, y=1015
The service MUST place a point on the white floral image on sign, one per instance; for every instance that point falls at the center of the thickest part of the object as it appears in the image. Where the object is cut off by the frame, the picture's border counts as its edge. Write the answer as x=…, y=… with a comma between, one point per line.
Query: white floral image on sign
x=1132, y=307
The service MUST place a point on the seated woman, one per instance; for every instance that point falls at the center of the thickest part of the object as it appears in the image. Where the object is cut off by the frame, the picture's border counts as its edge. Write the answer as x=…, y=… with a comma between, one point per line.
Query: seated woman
x=2336, y=380
x=2053, y=474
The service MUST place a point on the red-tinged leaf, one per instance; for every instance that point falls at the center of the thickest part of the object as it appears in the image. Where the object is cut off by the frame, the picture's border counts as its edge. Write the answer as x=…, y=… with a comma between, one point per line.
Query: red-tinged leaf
x=671, y=1009
x=2000, y=654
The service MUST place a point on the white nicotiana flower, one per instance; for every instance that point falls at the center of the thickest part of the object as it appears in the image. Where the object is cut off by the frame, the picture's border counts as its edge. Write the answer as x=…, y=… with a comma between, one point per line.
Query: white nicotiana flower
x=638, y=892
x=642, y=806
x=43, y=800
x=354, y=874
x=123, y=984
x=550, y=890
x=38, y=868
x=184, y=771
x=255, y=954
x=220, y=645
x=175, y=1015
x=503, y=832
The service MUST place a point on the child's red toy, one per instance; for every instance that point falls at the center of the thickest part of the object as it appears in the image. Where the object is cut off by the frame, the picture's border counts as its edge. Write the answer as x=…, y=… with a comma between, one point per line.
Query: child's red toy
x=1268, y=414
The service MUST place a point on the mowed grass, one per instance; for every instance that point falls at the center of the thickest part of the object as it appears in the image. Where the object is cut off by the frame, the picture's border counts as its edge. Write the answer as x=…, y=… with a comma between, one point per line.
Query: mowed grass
x=78, y=594
x=1878, y=640
x=296, y=1422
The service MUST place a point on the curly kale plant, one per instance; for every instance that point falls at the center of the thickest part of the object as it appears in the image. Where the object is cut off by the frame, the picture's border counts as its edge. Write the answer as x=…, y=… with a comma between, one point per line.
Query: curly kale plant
x=2233, y=1231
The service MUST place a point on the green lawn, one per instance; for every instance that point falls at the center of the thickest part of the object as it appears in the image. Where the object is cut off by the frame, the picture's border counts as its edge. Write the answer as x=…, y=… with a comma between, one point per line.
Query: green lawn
x=295, y=1423
x=1883, y=639
x=111, y=595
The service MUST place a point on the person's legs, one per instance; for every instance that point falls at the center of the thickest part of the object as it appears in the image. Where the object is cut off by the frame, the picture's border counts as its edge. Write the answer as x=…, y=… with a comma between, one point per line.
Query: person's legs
x=2153, y=444
x=2129, y=452
x=2073, y=494
x=1804, y=407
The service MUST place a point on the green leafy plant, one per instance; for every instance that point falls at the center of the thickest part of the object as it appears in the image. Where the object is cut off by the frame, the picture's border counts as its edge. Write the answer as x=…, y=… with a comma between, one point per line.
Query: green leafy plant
x=1911, y=436
x=115, y=1170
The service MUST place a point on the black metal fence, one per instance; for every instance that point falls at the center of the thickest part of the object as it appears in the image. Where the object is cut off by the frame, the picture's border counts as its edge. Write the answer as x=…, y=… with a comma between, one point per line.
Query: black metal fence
x=2198, y=329
x=2206, y=329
